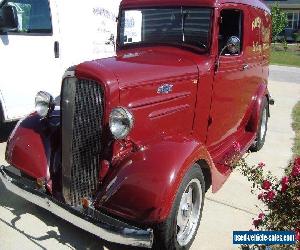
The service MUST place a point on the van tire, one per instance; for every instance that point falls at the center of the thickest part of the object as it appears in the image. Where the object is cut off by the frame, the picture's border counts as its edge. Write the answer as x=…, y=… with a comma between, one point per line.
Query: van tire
x=1, y=117
x=166, y=233
x=262, y=127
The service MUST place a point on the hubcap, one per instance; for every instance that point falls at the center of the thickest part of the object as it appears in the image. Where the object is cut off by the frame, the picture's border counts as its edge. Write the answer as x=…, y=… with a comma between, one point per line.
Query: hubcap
x=189, y=212
x=263, y=125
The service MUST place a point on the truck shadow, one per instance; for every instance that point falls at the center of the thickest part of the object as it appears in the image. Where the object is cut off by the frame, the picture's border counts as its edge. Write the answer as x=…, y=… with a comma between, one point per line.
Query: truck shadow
x=5, y=130
x=67, y=235
x=4, y=39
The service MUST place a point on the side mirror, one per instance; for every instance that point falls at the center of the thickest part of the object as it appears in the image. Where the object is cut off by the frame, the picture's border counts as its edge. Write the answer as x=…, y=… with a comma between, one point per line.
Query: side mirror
x=8, y=18
x=233, y=45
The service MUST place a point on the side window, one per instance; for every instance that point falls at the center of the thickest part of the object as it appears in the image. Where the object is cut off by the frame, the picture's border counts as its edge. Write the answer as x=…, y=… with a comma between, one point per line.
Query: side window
x=198, y=26
x=33, y=16
x=230, y=25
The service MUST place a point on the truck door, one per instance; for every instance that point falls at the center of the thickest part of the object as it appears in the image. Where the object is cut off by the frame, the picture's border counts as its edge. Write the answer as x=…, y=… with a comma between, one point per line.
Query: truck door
x=230, y=87
x=29, y=57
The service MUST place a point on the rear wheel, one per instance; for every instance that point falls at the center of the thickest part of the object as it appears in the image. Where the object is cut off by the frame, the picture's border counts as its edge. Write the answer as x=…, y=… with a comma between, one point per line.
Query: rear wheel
x=262, y=127
x=179, y=230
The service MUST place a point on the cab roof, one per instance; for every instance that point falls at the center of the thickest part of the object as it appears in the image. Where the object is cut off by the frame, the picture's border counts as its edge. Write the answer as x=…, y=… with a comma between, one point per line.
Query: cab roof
x=208, y=3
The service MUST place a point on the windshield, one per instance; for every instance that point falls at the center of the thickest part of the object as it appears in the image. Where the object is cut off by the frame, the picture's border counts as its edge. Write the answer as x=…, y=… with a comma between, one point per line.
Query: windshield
x=178, y=26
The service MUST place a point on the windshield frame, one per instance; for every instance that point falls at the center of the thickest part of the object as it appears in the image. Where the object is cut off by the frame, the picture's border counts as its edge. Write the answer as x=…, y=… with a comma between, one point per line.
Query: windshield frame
x=182, y=45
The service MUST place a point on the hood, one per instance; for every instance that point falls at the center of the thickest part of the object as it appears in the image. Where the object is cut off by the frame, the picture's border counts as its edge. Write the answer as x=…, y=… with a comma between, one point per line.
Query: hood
x=158, y=85
x=145, y=66
x=135, y=67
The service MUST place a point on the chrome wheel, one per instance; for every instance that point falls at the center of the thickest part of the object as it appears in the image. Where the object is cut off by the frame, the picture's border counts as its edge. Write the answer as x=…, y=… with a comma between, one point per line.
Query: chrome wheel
x=261, y=128
x=263, y=125
x=189, y=212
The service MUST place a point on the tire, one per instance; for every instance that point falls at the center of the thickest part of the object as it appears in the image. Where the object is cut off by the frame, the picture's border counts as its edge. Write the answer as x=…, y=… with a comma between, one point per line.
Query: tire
x=169, y=235
x=262, y=127
x=1, y=117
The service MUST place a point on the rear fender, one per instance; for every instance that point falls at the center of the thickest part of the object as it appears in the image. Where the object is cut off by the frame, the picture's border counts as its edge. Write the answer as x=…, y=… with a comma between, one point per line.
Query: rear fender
x=143, y=187
x=261, y=93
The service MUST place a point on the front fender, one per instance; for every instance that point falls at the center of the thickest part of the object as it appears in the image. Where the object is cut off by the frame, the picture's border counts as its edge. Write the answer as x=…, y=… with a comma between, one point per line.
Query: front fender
x=29, y=146
x=143, y=187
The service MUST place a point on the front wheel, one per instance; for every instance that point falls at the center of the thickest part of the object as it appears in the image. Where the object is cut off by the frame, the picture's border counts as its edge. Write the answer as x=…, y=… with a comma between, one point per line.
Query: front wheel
x=179, y=230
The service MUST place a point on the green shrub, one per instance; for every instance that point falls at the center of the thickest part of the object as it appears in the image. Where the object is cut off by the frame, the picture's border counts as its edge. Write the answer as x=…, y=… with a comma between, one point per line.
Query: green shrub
x=296, y=36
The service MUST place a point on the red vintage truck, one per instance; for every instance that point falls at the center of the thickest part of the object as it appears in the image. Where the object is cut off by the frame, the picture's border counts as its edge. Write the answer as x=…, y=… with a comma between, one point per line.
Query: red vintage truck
x=133, y=143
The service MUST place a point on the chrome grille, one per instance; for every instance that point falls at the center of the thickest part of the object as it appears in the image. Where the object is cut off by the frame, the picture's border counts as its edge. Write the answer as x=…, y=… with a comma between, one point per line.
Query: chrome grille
x=82, y=136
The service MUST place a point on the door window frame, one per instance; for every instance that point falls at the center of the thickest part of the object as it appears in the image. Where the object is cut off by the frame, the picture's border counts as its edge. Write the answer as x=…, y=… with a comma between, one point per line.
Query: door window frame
x=241, y=27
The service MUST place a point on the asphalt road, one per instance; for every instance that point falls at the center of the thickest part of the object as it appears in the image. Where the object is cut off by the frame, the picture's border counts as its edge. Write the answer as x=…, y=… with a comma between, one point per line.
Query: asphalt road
x=26, y=226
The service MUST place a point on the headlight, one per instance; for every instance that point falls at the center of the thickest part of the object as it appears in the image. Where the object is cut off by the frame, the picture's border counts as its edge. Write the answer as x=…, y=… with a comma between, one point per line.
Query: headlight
x=44, y=103
x=120, y=122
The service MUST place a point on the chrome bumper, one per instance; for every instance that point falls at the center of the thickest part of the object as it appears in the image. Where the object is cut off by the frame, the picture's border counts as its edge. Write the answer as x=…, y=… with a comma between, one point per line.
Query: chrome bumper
x=92, y=221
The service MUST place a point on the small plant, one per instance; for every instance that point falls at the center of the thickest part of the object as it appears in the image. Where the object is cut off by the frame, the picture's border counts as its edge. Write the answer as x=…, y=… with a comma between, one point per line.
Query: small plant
x=280, y=197
x=285, y=45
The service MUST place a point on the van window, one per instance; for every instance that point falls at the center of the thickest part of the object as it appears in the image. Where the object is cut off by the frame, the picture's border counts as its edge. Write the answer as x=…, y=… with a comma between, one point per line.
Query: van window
x=33, y=16
x=230, y=25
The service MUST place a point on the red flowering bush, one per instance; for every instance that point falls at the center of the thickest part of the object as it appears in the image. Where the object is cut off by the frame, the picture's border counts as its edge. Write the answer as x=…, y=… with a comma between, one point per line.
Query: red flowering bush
x=280, y=197
x=296, y=168
x=266, y=185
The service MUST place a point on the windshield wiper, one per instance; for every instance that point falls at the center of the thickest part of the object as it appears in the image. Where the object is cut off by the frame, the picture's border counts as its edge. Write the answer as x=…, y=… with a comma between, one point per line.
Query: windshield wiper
x=183, y=19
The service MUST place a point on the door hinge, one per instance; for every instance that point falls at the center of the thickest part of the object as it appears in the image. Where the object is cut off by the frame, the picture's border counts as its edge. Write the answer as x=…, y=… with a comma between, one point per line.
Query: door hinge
x=209, y=121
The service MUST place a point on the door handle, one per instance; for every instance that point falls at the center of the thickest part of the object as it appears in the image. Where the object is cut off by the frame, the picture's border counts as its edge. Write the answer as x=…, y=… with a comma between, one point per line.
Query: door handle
x=245, y=66
x=56, y=49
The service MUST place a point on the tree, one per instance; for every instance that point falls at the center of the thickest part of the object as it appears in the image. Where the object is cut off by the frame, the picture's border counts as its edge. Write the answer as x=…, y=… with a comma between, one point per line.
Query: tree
x=279, y=20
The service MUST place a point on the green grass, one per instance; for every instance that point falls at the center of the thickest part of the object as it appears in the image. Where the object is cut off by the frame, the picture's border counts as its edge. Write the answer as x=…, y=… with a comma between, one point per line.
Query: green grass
x=296, y=127
x=291, y=57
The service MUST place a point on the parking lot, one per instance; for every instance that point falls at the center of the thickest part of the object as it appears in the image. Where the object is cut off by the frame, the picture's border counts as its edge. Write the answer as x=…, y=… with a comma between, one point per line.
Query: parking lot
x=26, y=226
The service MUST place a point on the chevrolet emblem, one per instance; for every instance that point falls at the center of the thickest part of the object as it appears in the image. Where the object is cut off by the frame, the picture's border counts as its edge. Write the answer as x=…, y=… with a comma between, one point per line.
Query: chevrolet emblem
x=165, y=89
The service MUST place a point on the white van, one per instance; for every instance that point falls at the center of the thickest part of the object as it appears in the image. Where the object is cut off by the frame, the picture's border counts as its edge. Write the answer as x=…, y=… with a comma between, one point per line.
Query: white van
x=39, y=39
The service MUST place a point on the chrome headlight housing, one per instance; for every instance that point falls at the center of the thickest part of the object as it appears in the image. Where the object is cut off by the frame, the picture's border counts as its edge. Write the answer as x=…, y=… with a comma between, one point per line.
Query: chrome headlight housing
x=120, y=122
x=44, y=103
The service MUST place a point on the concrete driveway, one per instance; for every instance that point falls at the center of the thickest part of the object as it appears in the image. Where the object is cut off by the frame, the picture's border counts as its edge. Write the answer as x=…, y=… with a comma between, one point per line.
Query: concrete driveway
x=23, y=225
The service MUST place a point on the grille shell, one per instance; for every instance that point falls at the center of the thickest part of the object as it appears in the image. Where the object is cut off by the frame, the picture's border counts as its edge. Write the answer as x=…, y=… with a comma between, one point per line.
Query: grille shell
x=82, y=115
